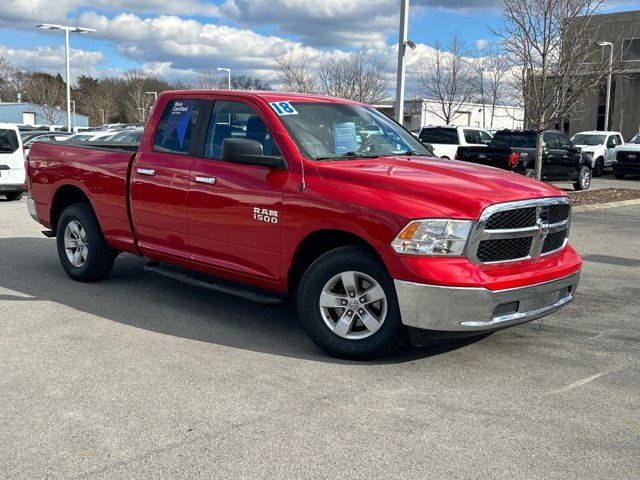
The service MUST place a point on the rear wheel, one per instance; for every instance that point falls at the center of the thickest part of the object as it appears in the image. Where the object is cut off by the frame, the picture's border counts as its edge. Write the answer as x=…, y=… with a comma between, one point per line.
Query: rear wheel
x=584, y=179
x=347, y=304
x=82, y=250
x=619, y=176
x=598, y=169
x=11, y=196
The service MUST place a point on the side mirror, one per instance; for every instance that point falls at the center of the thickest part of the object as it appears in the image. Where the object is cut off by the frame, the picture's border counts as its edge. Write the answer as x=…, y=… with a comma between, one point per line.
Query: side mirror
x=249, y=152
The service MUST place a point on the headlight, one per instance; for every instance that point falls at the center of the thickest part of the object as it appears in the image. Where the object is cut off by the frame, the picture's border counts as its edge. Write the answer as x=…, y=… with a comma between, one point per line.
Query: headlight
x=433, y=237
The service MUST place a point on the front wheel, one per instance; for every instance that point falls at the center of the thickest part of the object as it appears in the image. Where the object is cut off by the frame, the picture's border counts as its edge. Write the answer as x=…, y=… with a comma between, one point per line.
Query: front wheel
x=347, y=304
x=599, y=167
x=82, y=250
x=584, y=179
x=11, y=196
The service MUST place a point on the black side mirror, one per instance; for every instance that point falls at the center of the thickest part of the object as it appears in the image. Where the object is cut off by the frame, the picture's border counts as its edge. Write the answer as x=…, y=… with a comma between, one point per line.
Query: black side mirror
x=249, y=152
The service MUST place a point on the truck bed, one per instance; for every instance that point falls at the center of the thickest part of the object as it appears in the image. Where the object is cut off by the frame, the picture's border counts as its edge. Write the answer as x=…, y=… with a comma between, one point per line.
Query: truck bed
x=99, y=170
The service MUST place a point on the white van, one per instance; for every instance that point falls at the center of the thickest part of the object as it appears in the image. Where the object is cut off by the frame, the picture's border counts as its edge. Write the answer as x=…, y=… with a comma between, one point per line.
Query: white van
x=445, y=140
x=12, y=174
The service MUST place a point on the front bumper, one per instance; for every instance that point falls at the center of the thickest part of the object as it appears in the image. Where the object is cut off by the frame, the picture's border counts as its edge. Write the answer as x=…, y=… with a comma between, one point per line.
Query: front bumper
x=467, y=309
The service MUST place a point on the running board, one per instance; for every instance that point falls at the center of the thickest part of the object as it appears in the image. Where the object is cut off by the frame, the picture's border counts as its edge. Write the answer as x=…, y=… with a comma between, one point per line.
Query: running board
x=202, y=281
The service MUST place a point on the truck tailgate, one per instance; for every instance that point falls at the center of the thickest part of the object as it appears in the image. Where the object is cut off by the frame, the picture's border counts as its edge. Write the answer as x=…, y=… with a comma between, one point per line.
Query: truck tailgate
x=101, y=174
x=494, y=157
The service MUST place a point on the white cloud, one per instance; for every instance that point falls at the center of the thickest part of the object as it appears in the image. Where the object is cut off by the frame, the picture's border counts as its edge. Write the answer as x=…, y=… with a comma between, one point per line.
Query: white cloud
x=50, y=59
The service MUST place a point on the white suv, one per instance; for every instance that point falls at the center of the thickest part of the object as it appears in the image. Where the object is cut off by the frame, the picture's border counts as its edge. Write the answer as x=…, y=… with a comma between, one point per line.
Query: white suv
x=600, y=146
x=446, y=140
x=12, y=174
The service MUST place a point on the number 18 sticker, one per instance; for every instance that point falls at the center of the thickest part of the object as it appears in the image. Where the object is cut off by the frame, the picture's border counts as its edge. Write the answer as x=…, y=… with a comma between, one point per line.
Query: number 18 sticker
x=283, y=108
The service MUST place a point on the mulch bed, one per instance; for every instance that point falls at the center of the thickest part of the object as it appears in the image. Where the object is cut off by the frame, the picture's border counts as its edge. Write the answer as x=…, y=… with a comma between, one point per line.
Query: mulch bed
x=605, y=195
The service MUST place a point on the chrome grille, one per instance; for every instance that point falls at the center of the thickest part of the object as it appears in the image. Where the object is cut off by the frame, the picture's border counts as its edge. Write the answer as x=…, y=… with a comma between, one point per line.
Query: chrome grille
x=520, y=230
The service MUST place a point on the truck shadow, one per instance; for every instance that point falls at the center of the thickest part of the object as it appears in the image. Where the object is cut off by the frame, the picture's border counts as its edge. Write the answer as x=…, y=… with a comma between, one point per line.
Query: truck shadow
x=133, y=297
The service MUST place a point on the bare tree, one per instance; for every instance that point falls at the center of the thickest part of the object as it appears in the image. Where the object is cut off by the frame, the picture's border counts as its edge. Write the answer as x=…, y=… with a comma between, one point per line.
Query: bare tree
x=207, y=80
x=357, y=76
x=212, y=80
x=498, y=67
x=446, y=78
x=296, y=74
x=98, y=99
x=47, y=95
x=552, y=42
x=138, y=101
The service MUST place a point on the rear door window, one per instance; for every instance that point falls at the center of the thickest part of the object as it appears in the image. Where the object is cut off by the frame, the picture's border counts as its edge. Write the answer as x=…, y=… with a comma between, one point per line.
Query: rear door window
x=8, y=141
x=472, y=136
x=484, y=137
x=447, y=136
x=176, y=129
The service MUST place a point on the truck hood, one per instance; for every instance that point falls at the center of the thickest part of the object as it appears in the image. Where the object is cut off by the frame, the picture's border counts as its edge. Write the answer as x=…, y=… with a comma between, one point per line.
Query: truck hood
x=629, y=147
x=454, y=188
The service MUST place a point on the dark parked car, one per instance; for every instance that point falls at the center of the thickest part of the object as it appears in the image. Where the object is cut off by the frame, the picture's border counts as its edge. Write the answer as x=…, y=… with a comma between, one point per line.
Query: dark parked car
x=627, y=159
x=515, y=150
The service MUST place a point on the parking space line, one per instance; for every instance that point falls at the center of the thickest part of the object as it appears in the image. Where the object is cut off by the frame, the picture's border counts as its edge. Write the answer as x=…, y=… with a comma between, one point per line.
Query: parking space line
x=581, y=382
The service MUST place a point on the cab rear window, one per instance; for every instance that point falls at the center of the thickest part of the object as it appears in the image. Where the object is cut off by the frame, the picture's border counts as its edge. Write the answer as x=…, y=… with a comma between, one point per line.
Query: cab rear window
x=448, y=136
x=8, y=141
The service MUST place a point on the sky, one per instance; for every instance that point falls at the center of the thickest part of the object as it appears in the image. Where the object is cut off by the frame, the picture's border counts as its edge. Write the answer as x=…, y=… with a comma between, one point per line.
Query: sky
x=177, y=39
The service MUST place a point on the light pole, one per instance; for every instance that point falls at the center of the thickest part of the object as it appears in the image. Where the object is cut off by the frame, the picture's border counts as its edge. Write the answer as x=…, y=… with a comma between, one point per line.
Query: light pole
x=608, y=102
x=141, y=112
x=155, y=96
x=73, y=106
x=101, y=110
x=228, y=70
x=403, y=43
x=67, y=29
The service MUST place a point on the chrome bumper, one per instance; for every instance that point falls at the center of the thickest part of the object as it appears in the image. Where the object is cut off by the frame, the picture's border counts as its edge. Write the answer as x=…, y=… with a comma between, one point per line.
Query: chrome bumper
x=462, y=309
x=31, y=206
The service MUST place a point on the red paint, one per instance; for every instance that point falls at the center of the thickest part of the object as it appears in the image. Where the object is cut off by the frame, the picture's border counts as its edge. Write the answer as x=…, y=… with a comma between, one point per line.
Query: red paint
x=211, y=228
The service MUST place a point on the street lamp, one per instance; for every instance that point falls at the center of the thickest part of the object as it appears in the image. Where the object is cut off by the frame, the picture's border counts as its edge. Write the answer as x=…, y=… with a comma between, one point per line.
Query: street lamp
x=608, y=102
x=403, y=43
x=228, y=70
x=67, y=29
x=101, y=110
x=155, y=96
x=141, y=113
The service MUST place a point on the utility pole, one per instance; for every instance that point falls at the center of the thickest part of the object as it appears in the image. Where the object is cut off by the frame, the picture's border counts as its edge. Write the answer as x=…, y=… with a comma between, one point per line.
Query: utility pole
x=402, y=47
x=608, y=102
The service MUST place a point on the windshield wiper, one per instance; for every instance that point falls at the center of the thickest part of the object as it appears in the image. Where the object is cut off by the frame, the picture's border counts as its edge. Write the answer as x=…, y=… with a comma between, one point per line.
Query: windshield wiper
x=348, y=155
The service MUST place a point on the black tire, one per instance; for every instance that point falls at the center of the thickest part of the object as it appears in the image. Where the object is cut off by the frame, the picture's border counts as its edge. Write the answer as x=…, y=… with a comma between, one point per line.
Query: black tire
x=584, y=179
x=100, y=256
x=619, y=176
x=598, y=169
x=11, y=196
x=343, y=259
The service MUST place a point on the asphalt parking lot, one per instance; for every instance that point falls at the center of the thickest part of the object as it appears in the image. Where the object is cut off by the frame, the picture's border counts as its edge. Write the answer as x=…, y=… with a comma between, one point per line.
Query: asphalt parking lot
x=142, y=377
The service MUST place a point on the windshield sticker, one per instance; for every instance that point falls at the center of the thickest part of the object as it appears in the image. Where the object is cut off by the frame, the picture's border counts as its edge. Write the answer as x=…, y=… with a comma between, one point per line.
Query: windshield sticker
x=344, y=136
x=178, y=120
x=283, y=108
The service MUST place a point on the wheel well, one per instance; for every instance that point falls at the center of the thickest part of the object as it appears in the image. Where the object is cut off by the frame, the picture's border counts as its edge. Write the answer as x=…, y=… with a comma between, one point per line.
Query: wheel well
x=65, y=196
x=317, y=244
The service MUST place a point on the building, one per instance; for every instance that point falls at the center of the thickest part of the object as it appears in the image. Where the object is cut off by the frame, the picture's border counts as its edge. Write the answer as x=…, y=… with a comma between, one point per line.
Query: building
x=622, y=29
x=23, y=113
x=421, y=112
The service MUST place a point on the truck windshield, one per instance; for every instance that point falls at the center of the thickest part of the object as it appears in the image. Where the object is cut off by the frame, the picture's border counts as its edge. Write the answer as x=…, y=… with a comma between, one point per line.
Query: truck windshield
x=635, y=139
x=587, y=139
x=331, y=131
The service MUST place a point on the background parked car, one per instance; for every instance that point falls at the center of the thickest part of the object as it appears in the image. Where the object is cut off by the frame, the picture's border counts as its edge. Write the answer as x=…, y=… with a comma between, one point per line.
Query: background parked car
x=600, y=146
x=126, y=136
x=12, y=173
x=89, y=136
x=46, y=137
x=627, y=160
x=515, y=150
x=445, y=140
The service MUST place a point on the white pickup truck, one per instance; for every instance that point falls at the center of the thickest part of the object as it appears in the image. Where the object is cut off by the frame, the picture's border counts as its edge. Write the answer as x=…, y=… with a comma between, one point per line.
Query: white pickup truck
x=600, y=146
x=446, y=140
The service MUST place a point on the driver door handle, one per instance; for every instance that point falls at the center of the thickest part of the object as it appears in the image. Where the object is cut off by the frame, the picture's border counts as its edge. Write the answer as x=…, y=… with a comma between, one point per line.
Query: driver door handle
x=205, y=180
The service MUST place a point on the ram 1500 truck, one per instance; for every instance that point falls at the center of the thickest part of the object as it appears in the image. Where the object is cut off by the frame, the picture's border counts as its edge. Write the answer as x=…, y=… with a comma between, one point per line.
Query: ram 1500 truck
x=515, y=150
x=276, y=196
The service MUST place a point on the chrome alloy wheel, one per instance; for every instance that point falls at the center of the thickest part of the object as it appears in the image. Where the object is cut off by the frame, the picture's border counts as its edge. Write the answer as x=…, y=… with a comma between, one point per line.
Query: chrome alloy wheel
x=585, y=178
x=75, y=243
x=353, y=305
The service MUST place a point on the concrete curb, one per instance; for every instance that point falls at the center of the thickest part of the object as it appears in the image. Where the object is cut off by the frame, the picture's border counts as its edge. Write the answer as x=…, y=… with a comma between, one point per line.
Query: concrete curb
x=602, y=206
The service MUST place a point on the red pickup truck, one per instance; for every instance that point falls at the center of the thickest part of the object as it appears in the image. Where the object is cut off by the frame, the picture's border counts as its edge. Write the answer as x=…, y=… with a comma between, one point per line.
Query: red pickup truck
x=277, y=196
